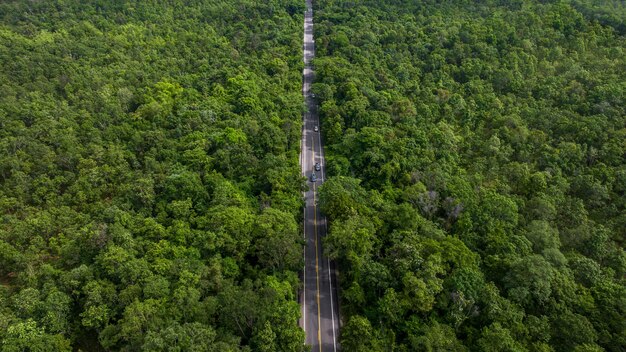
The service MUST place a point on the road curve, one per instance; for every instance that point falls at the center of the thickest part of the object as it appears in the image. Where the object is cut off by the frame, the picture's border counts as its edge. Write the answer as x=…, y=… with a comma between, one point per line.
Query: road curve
x=320, y=318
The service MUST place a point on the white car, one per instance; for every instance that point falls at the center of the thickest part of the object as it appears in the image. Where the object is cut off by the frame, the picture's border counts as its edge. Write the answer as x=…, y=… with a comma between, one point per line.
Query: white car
x=316, y=129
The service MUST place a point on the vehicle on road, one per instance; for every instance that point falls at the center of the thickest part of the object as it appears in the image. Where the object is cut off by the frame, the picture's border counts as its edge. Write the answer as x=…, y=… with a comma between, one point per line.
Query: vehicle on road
x=318, y=167
x=312, y=95
x=313, y=177
x=316, y=129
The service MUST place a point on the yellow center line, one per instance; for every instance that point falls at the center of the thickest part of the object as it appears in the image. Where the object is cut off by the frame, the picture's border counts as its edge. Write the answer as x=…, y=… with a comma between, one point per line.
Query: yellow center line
x=317, y=274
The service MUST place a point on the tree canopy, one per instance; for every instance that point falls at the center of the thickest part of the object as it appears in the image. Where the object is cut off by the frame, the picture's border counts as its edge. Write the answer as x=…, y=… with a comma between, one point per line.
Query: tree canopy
x=149, y=179
x=476, y=154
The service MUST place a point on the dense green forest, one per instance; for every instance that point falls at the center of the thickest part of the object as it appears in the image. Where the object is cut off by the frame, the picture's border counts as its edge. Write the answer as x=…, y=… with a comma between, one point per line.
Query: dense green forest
x=150, y=192
x=477, y=154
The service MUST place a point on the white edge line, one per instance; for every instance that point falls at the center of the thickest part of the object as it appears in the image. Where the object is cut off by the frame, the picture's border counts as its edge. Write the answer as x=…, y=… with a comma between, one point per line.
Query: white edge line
x=332, y=309
x=304, y=208
x=303, y=254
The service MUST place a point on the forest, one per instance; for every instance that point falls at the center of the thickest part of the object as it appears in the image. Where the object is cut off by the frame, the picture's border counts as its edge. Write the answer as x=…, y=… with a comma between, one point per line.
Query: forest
x=477, y=160
x=150, y=192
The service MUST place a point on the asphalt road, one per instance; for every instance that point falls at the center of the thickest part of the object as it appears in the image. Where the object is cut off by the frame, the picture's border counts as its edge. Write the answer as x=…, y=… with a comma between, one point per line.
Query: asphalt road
x=320, y=318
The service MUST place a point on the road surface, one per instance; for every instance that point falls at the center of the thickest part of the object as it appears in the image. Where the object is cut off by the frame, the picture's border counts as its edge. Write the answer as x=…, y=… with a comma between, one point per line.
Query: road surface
x=320, y=318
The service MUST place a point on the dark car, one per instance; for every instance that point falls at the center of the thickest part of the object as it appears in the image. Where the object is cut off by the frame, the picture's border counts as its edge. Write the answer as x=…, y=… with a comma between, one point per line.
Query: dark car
x=313, y=177
x=317, y=167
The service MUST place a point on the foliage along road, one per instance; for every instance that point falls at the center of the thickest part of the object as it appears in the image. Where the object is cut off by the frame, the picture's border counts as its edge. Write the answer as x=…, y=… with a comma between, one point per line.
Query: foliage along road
x=319, y=296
